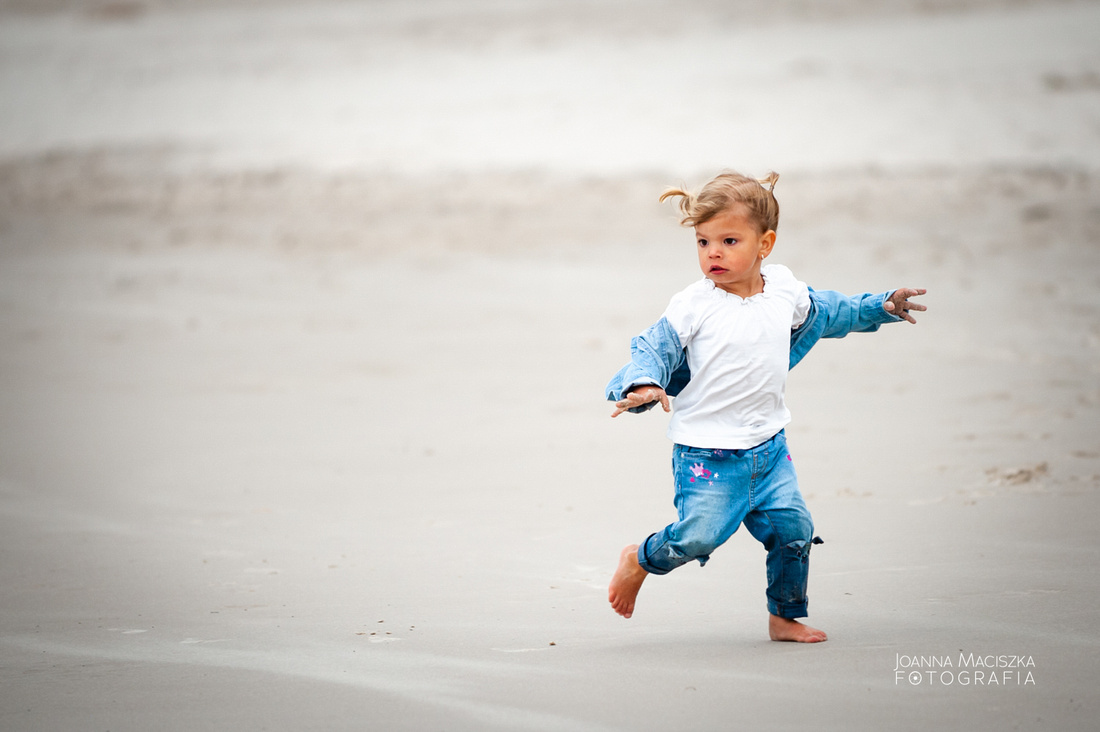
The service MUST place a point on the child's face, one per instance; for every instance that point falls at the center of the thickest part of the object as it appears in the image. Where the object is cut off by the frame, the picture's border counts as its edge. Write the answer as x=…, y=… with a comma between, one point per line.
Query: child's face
x=731, y=249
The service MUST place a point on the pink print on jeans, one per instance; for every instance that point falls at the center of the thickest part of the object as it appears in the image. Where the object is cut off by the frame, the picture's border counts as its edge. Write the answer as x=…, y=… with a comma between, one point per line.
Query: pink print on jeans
x=699, y=472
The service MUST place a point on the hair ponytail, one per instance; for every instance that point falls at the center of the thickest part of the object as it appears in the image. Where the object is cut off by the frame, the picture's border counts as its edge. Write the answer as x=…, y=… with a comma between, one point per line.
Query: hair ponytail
x=686, y=203
x=725, y=191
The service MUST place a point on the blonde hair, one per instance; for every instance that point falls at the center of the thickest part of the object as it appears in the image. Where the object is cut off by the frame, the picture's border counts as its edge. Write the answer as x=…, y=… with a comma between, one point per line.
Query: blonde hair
x=725, y=191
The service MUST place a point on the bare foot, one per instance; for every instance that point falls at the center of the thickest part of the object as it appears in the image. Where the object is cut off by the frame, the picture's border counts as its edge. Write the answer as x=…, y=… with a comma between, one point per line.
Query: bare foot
x=626, y=582
x=786, y=629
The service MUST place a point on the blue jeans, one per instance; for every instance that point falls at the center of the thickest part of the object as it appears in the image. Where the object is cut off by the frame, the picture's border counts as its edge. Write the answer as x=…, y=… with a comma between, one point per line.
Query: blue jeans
x=717, y=491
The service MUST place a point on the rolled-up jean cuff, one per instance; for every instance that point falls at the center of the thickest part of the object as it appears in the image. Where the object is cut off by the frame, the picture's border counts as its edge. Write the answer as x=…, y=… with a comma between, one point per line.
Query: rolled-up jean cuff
x=643, y=559
x=799, y=610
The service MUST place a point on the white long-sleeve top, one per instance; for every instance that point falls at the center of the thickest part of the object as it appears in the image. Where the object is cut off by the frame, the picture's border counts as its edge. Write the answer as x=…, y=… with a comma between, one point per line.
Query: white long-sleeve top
x=738, y=350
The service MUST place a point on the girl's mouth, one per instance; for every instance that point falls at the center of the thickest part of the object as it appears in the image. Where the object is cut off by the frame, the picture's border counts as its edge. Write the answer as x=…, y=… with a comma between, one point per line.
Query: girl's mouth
x=718, y=270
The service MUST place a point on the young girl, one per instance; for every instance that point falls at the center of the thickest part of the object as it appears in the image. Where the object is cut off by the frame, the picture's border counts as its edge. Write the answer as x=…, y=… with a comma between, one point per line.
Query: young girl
x=723, y=348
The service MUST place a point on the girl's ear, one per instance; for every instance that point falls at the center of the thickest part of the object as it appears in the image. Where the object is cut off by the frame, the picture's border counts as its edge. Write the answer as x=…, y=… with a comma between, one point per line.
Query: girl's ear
x=767, y=241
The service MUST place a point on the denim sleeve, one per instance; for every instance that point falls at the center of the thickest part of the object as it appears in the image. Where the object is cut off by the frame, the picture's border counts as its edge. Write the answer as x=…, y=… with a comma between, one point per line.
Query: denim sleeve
x=656, y=357
x=833, y=315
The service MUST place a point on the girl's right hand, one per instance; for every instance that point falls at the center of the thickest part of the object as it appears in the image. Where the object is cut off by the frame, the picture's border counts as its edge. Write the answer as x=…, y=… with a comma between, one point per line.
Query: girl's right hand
x=641, y=396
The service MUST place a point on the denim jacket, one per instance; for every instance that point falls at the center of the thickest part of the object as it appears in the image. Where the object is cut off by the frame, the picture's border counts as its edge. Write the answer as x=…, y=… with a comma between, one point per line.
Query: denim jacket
x=656, y=356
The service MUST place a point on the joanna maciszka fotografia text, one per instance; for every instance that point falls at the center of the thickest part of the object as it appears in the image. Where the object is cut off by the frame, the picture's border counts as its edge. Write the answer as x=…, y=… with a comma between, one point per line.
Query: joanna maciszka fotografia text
x=965, y=669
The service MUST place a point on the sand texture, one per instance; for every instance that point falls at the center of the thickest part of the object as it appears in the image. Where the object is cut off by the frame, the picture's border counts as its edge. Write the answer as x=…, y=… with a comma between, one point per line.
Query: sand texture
x=306, y=310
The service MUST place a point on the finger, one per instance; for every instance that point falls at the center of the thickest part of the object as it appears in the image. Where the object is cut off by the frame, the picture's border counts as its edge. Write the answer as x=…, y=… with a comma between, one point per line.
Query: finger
x=664, y=402
x=631, y=400
x=889, y=305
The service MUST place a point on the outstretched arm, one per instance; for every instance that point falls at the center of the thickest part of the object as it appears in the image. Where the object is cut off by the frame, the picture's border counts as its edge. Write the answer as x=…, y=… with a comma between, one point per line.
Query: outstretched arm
x=656, y=361
x=833, y=315
x=898, y=303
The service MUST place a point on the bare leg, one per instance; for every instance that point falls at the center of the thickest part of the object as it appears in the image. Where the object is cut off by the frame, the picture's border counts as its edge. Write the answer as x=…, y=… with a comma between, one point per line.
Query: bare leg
x=626, y=582
x=787, y=629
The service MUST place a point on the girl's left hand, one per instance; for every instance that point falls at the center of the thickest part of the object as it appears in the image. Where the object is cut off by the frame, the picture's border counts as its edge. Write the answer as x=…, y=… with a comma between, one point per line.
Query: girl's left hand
x=898, y=303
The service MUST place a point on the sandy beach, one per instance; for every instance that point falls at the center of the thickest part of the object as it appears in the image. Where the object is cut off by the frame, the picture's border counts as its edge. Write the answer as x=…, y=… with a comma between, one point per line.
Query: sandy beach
x=307, y=312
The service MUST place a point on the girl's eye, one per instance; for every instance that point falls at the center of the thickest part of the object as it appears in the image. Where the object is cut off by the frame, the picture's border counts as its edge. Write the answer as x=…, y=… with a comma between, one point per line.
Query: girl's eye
x=730, y=241
x=702, y=242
